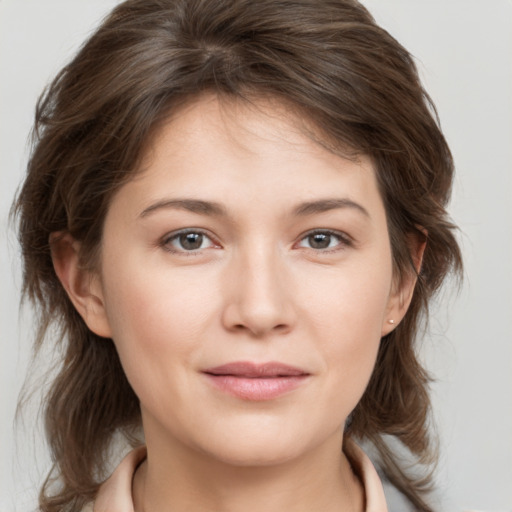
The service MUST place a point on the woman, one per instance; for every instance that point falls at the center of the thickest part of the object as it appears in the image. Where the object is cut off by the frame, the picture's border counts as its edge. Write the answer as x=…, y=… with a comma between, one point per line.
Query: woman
x=235, y=214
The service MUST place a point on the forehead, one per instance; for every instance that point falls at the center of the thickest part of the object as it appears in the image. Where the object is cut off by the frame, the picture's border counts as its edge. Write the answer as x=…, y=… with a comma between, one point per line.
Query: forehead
x=263, y=151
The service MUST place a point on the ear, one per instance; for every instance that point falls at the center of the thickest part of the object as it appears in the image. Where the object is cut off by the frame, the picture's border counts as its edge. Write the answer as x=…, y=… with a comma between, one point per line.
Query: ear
x=82, y=286
x=401, y=293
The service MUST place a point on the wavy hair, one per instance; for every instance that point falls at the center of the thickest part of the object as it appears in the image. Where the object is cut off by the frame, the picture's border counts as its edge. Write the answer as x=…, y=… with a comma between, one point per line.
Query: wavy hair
x=329, y=61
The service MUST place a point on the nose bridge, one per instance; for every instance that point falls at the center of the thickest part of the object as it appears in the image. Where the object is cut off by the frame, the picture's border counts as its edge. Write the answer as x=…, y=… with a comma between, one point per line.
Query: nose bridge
x=260, y=300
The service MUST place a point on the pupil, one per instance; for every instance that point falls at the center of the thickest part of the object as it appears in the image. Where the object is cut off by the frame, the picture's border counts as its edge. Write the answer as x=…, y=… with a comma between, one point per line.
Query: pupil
x=191, y=240
x=320, y=241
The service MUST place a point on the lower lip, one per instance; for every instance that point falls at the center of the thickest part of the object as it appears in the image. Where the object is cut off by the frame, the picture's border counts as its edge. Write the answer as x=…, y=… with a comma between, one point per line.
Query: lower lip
x=256, y=389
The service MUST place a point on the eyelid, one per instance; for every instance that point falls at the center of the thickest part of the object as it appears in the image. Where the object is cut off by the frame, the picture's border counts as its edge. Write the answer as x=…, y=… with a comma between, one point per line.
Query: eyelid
x=345, y=240
x=167, y=238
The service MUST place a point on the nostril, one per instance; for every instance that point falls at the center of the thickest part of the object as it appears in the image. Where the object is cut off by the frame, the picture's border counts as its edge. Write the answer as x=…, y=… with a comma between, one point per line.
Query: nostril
x=261, y=331
x=259, y=318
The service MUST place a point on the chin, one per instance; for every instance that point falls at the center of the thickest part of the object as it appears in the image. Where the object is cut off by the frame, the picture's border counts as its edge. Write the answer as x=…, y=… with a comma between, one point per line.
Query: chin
x=264, y=443
x=253, y=453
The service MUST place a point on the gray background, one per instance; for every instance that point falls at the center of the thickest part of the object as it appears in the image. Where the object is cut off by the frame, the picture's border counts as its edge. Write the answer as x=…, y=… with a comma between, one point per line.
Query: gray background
x=464, y=53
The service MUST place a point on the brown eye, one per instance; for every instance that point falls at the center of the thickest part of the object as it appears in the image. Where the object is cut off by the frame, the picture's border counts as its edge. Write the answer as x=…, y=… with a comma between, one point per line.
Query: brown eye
x=322, y=240
x=319, y=241
x=191, y=241
x=187, y=241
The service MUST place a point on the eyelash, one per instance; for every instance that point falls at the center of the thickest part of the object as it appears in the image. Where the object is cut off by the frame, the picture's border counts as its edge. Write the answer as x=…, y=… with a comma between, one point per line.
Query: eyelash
x=344, y=241
x=166, y=241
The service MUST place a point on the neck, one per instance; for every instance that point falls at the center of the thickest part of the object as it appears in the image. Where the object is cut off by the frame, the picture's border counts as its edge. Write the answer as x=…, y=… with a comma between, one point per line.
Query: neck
x=180, y=479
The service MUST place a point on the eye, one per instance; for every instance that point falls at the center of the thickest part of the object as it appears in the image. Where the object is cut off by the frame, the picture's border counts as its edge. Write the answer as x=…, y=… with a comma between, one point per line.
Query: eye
x=325, y=240
x=190, y=240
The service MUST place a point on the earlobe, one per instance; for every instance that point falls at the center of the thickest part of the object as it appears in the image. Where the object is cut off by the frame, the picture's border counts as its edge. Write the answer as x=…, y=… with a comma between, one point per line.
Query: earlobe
x=402, y=293
x=82, y=286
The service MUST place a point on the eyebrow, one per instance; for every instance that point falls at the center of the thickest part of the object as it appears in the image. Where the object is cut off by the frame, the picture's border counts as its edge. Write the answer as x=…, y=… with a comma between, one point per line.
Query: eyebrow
x=192, y=205
x=325, y=205
x=213, y=209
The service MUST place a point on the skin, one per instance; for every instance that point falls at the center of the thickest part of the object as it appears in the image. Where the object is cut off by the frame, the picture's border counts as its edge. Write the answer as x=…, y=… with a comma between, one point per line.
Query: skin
x=260, y=288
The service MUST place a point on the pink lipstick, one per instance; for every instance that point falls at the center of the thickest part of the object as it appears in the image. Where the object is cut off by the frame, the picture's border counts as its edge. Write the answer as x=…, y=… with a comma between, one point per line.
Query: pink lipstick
x=258, y=382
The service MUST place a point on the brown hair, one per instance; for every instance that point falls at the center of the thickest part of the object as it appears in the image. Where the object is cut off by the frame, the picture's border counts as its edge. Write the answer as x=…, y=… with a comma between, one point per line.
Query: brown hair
x=328, y=59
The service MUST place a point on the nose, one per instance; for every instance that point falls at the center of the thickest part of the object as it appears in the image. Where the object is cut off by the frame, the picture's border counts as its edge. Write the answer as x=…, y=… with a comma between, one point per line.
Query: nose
x=258, y=299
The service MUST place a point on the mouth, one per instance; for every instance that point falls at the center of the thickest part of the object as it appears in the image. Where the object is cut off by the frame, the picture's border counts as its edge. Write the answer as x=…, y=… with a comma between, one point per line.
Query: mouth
x=257, y=382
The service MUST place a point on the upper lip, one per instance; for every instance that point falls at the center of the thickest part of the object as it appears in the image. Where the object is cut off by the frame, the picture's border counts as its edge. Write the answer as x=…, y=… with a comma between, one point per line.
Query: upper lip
x=254, y=370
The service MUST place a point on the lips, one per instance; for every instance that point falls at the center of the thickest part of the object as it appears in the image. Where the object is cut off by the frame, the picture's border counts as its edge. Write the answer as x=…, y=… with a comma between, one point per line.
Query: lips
x=258, y=382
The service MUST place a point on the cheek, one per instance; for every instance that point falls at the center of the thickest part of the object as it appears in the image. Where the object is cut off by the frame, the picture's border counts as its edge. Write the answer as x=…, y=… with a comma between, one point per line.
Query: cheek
x=157, y=320
x=346, y=313
x=152, y=306
x=350, y=304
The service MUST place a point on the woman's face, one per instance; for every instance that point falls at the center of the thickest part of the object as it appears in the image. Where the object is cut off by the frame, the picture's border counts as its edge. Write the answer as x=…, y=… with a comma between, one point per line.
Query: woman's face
x=246, y=280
